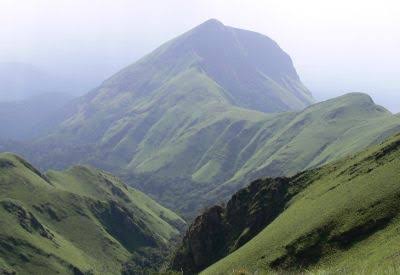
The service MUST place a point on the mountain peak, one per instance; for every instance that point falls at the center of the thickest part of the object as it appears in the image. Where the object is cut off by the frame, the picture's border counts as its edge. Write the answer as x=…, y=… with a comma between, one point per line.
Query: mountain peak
x=210, y=26
x=249, y=66
x=212, y=22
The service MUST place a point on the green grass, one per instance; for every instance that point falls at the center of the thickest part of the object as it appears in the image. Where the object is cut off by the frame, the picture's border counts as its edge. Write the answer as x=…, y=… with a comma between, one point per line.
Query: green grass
x=194, y=127
x=221, y=153
x=81, y=219
x=204, y=153
x=345, y=221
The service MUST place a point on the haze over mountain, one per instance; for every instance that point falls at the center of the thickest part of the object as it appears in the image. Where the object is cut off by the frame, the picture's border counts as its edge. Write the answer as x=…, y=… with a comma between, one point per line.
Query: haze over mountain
x=246, y=69
x=185, y=129
x=26, y=119
x=357, y=53
x=20, y=81
x=196, y=119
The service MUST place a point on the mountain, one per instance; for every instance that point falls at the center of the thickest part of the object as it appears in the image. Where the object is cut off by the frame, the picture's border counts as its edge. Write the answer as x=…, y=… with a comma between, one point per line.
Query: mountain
x=204, y=114
x=341, y=217
x=209, y=69
x=223, y=155
x=20, y=81
x=78, y=221
x=31, y=117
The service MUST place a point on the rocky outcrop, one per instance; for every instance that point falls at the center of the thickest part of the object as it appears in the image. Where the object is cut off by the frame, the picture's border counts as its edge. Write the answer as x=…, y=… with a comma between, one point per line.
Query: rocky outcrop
x=203, y=242
x=26, y=219
x=221, y=230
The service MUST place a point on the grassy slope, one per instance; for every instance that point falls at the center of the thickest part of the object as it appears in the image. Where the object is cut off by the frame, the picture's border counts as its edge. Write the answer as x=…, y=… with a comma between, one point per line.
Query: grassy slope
x=61, y=222
x=96, y=185
x=205, y=153
x=323, y=132
x=238, y=146
x=346, y=219
x=174, y=124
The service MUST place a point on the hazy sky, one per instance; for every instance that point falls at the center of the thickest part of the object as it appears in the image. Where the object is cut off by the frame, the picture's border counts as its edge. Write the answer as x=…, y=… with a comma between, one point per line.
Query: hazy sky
x=337, y=46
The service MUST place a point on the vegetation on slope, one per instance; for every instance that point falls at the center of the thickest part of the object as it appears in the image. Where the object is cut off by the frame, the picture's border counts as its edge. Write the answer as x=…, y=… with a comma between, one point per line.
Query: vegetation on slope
x=209, y=154
x=220, y=157
x=79, y=221
x=185, y=122
x=343, y=217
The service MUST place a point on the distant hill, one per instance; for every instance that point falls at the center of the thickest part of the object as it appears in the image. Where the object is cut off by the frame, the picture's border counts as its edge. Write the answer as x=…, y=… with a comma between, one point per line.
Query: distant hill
x=342, y=217
x=19, y=81
x=29, y=118
x=79, y=221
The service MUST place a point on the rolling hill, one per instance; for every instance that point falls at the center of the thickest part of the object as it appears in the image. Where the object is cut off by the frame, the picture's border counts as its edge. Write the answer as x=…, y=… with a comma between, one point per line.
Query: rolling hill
x=79, y=221
x=342, y=217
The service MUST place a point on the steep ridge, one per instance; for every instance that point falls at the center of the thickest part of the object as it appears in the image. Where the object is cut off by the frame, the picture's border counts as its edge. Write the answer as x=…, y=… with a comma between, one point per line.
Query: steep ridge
x=239, y=150
x=205, y=161
x=81, y=221
x=205, y=77
x=212, y=65
x=190, y=120
x=342, y=216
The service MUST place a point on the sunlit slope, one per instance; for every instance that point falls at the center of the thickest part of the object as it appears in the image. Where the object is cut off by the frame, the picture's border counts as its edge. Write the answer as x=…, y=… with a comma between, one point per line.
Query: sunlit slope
x=205, y=153
x=210, y=161
x=346, y=219
x=76, y=221
x=205, y=113
x=321, y=133
x=212, y=64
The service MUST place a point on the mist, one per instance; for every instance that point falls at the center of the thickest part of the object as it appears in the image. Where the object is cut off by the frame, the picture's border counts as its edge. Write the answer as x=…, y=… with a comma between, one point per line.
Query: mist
x=337, y=47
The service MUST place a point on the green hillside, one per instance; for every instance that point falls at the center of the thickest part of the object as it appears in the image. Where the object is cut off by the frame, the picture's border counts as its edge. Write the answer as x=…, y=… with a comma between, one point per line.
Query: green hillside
x=209, y=154
x=341, y=218
x=208, y=162
x=79, y=221
x=205, y=113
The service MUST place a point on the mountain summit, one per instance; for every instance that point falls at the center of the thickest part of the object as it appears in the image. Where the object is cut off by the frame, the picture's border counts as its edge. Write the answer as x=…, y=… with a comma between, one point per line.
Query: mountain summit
x=210, y=69
x=254, y=71
x=249, y=69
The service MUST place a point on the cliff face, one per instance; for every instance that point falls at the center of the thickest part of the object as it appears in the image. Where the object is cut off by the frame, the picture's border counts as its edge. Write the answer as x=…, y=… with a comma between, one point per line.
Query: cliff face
x=203, y=243
x=341, y=216
x=221, y=230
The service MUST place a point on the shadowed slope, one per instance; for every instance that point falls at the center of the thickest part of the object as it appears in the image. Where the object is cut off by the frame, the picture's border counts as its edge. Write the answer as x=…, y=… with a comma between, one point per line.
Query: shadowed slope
x=76, y=221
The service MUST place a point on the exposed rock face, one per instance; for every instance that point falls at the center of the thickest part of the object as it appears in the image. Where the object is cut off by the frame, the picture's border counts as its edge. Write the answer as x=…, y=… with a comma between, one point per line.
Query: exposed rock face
x=203, y=242
x=26, y=219
x=221, y=230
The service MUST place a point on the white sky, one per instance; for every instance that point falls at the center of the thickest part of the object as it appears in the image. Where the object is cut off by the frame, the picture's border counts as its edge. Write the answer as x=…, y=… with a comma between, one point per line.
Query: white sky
x=337, y=46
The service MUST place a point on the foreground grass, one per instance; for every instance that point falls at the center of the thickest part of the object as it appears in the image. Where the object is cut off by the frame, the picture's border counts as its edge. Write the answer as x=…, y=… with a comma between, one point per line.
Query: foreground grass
x=345, y=221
